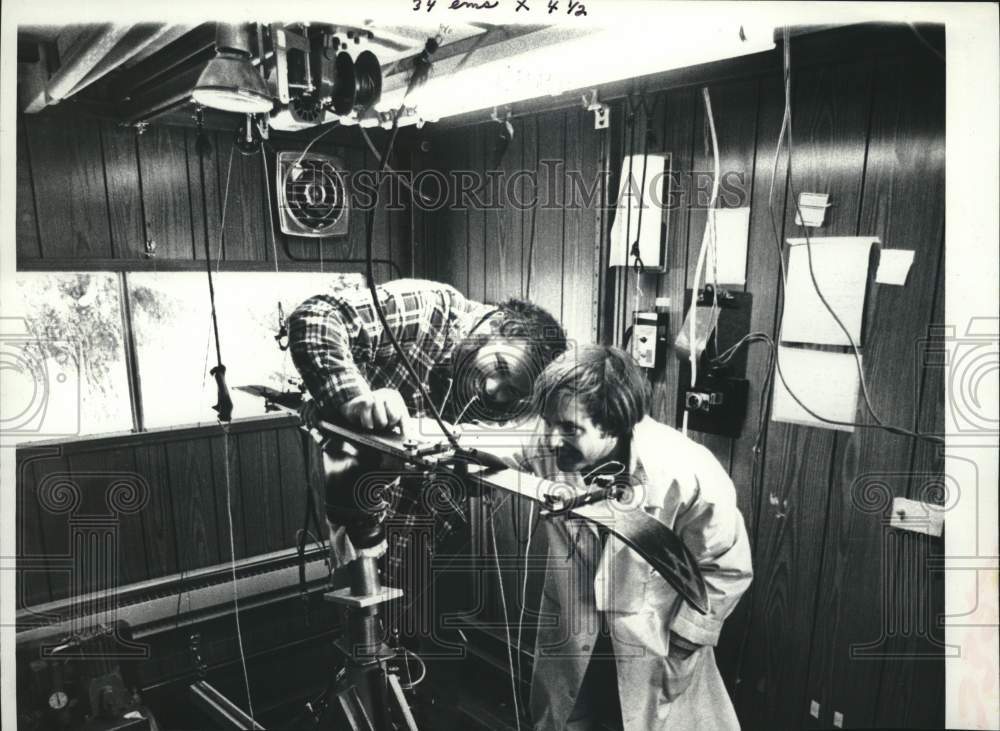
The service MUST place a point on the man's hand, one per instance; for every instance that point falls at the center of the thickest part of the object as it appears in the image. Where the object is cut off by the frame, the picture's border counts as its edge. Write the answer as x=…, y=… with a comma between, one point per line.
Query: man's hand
x=379, y=410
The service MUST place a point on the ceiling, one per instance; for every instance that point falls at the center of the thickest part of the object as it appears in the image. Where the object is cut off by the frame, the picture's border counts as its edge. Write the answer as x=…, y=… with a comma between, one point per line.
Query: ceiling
x=144, y=73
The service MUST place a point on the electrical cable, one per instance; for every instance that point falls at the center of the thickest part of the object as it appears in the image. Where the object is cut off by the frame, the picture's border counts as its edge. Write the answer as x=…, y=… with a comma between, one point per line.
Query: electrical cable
x=399, y=176
x=333, y=125
x=423, y=670
x=927, y=44
x=222, y=423
x=524, y=593
x=232, y=557
x=370, y=274
x=270, y=212
x=708, y=235
x=506, y=620
x=866, y=398
x=531, y=239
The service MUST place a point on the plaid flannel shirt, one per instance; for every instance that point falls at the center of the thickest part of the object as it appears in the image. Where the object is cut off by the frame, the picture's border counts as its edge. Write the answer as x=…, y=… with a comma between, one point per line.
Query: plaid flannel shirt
x=339, y=348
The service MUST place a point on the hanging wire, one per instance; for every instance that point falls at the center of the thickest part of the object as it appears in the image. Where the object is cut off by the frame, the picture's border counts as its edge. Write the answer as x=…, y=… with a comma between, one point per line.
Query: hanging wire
x=491, y=508
x=705, y=243
x=786, y=129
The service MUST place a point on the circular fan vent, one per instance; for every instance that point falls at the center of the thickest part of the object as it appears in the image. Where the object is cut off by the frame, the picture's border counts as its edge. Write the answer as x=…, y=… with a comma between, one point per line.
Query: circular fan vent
x=313, y=196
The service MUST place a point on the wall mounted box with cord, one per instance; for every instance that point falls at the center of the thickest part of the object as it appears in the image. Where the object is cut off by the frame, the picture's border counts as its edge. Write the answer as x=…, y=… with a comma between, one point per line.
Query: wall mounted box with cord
x=717, y=403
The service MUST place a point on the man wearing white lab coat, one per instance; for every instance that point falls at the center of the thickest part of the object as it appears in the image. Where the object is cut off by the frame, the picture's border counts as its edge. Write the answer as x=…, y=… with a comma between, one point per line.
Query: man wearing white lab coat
x=653, y=666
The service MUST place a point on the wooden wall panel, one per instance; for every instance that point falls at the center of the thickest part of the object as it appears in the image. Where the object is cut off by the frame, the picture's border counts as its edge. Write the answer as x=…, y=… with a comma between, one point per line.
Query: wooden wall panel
x=166, y=197
x=158, y=524
x=548, y=255
x=865, y=131
x=904, y=205
x=477, y=243
x=832, y=111
x=677, y=138
x=294, y=483
x=245, y=237
x=260, y=493
x=125, y=209
x=53, y=525
x=106, y=189
x=763, y=283
x=70, y=194
x=912, y=681
x=451, y=244
x=192, y=489
x=26, y=225
x=770, y=650
x=95, y=474
x=206, y=198
x=182, y=525
x=497, y=220
x=33, y=585
x=228, y=495
x=529, y=192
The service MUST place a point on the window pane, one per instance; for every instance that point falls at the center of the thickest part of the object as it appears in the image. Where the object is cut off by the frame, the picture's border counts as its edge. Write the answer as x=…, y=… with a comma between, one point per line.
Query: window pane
x=172, y=320
x=64, y=372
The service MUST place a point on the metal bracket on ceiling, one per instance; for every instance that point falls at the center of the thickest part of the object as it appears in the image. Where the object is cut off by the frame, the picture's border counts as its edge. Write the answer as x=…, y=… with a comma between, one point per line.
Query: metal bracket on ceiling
x=602, y=116
x=504, y=120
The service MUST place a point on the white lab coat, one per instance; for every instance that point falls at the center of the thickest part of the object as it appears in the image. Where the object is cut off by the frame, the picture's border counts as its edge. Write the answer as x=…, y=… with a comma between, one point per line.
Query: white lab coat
x=684, y=486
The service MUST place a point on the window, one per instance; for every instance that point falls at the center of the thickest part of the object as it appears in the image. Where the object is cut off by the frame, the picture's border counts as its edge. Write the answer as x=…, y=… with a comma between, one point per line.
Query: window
x=64, y=369
x=64, y=372
x=176, y=346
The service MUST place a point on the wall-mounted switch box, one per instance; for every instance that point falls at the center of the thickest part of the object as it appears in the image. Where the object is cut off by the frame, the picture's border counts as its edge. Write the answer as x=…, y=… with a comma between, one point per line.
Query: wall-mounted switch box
x=650, y=331
x=717, y=402
x=917, y=516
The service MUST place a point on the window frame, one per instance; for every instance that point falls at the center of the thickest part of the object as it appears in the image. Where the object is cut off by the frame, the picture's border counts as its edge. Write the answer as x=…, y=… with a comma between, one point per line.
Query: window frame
x=121, y=269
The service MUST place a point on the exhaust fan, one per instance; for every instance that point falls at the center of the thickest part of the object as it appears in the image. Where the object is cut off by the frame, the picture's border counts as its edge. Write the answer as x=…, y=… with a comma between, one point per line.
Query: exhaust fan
x=312, y=195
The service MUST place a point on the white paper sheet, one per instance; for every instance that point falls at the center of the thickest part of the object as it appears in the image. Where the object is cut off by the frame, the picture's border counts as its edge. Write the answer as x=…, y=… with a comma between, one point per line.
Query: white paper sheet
x=825, y=382
x=732, y=229
x=623, y=229
x=841, y=268
x=813, y=207
x=894, y=266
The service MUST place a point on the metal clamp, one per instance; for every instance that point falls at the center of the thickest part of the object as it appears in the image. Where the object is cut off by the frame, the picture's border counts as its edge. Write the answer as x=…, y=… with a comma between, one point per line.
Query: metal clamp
x=602, y=112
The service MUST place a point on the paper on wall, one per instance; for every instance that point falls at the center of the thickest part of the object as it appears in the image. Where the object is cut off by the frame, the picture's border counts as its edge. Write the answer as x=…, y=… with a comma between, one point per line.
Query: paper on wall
x=840, y=264
x=894, y=266
x=825, y=382
x=655, y=197
x=732, y=229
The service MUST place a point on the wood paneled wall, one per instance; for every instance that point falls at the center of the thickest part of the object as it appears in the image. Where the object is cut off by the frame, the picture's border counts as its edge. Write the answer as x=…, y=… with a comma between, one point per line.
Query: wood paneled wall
x=833, y=613
x=831, y=579
x=92, y=192
x=183, y=522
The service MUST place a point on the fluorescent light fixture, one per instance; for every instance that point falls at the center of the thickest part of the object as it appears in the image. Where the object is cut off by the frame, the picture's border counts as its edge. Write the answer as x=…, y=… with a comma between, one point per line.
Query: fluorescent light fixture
x=505, y=76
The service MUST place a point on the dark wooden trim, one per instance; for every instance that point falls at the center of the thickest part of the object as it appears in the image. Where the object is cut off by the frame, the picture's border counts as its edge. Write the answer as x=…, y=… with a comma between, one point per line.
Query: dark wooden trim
x=188, y=265
x=78, y=445
x=131, y=356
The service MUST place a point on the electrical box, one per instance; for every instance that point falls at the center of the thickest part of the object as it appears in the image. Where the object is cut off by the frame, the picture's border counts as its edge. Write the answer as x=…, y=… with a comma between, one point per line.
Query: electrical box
x=717, y=403
x=650, y=331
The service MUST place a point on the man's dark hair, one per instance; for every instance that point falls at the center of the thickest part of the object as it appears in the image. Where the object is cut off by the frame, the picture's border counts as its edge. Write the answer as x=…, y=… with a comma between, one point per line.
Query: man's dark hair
x=609, y=384
x=523, y=319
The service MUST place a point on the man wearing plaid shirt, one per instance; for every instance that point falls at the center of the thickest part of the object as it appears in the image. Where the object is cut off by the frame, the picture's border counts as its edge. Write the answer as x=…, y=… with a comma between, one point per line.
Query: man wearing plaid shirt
x=467, y=354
